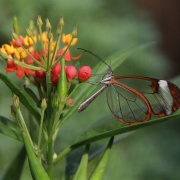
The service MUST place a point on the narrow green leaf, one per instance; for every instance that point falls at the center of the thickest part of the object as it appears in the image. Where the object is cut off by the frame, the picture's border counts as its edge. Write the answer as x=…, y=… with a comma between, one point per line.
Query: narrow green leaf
x=108, y=129
x=16, y=166
x=32, y=95
x=22, y=96
x=114, y=127
x=36, y=167
x=116, y=60
x=10, y=129
x=81, y=173
x=99, y=170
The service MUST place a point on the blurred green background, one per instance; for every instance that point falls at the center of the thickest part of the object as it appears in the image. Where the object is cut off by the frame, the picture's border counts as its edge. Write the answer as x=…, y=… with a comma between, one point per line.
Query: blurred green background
x=105, y=27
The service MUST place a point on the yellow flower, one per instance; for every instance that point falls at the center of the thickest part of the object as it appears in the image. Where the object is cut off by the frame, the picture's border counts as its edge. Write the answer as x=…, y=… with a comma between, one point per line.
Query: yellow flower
x=28, y=41
x=19, y=53
x=44, y=37
x=52, y=45
x=67, y=39
x=7, y=49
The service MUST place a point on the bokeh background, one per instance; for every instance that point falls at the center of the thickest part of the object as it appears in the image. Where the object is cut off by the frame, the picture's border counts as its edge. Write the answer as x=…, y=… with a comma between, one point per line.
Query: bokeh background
x=105, y=27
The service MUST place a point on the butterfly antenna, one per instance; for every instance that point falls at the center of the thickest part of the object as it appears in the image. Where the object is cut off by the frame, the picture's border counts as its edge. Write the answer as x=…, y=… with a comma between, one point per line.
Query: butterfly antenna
x=95, y=56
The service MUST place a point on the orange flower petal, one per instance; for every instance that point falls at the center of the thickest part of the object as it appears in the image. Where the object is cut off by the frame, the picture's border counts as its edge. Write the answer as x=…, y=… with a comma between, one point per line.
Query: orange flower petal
x=11, y=67
x=67, y=56
x=29, y=72
x=76, y=57
x=66, y=39
x=20, y=72
x=74, y=41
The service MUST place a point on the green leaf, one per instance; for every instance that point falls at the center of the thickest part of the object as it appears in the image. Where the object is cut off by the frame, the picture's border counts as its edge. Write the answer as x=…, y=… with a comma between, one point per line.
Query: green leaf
x=36, y=167
x=114, y=127
x=32, y=95
x=99, y=170
x=10, y=129
x=108, y=129
x=81, y=173
x=16, y=166
x=116, y=60
x=22, y=96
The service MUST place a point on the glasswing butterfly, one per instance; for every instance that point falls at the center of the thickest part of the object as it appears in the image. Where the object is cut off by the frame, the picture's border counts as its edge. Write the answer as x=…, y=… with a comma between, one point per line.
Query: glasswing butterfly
x=135, y=99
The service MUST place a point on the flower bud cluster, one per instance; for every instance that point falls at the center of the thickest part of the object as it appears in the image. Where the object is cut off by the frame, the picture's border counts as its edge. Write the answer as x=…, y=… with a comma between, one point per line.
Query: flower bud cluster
x=83, y=74
x=23, y=49
x=23, y=57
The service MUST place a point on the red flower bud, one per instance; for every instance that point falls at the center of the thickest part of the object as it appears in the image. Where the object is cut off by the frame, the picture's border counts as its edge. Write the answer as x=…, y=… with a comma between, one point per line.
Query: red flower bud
x=56, y=69
x=84, y=73
x=55, y=79
x=71, y=72
x=40, y=74
x=55, y=73
x=70, y=102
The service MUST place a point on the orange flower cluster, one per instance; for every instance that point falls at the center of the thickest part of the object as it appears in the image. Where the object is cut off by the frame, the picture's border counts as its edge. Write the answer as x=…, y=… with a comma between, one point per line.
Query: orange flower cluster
x=35, y=54
x=23, y=50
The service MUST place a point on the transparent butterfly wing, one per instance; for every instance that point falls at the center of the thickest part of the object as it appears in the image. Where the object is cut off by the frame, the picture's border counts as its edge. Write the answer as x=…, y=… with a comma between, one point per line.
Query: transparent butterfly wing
x=126, y=106
x=135, y=99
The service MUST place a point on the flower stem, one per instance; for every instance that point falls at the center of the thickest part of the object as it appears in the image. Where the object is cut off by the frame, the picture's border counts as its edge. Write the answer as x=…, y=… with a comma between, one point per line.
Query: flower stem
x=50, y=155
x=43, y=108
x=50, y=151
x=50, y=136
x=60, y=156
x=21, y=119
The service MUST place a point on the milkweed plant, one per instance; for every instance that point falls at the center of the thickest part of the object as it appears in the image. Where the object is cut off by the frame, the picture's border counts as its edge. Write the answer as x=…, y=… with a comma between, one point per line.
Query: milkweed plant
x=41, y=61
x=45, y=64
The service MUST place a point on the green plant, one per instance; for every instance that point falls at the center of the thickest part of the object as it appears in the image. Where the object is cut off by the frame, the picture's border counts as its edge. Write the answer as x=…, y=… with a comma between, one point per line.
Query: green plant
x=40, y=61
